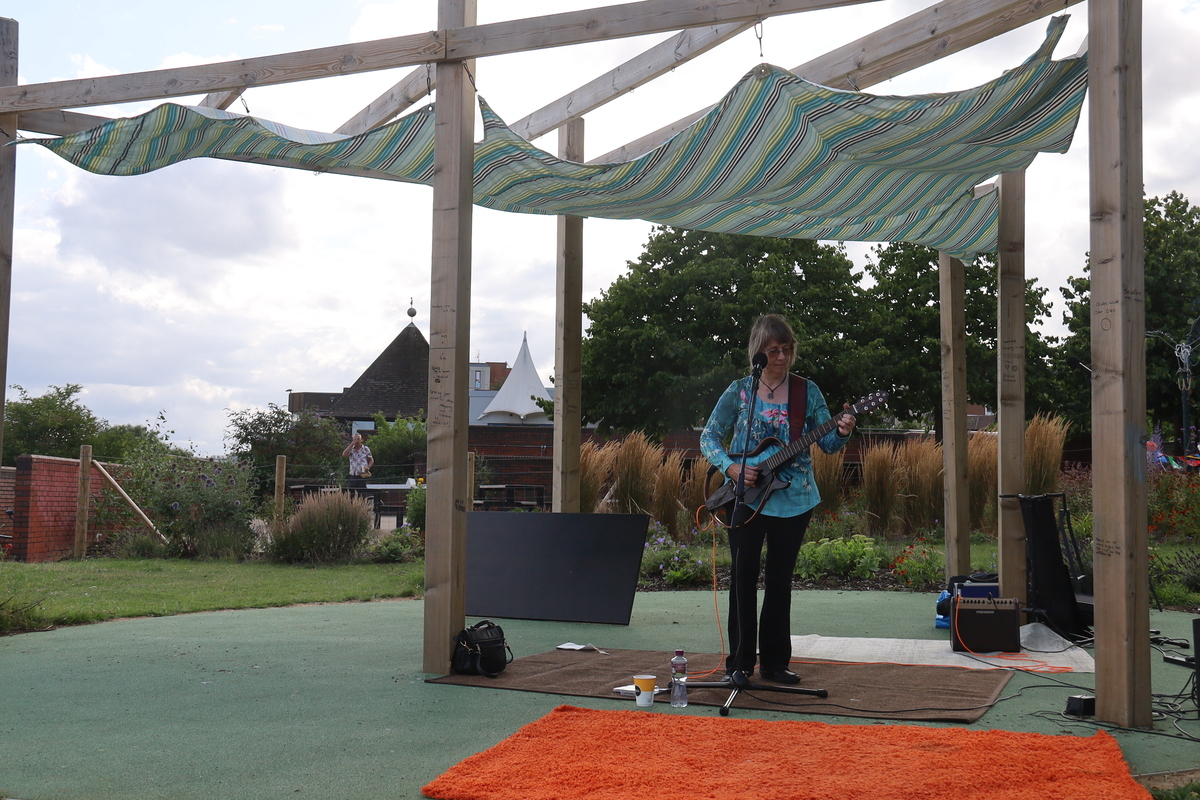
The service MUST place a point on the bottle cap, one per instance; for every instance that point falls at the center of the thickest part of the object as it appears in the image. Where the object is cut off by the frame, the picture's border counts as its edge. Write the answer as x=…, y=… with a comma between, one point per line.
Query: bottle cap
x=678, y=652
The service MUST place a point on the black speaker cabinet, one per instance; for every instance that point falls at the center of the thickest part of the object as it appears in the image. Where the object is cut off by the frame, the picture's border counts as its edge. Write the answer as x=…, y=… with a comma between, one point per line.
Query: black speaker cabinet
x=985, y=625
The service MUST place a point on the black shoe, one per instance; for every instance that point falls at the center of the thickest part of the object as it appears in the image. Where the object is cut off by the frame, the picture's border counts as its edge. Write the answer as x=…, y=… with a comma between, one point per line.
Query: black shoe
x=782, y=676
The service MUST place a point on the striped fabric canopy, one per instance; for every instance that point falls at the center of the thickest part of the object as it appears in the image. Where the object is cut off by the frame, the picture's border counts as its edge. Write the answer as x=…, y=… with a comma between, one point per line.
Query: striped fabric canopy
x=777, y=156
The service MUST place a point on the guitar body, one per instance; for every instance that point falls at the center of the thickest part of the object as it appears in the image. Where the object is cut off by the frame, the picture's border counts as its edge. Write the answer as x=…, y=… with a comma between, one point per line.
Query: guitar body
x=772, y=455
x=767, y=483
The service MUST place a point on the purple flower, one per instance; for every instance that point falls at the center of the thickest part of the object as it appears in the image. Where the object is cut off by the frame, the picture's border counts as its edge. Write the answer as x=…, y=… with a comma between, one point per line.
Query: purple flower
x=175, y=506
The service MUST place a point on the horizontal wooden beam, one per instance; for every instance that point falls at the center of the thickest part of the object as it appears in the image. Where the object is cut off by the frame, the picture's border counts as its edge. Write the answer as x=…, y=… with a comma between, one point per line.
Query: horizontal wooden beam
x=637, y=71
x=918, y=39
x=476, y=41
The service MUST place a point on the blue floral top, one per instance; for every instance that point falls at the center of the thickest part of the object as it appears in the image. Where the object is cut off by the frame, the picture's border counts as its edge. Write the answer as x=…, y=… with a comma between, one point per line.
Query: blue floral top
x=770, y=419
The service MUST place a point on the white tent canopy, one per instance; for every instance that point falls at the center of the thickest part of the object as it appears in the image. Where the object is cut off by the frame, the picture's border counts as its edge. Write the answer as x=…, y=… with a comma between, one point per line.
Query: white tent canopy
x=515, y=396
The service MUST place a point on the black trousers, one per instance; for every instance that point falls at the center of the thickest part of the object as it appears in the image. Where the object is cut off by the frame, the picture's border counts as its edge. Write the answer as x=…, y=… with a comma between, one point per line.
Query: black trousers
x=783, y=537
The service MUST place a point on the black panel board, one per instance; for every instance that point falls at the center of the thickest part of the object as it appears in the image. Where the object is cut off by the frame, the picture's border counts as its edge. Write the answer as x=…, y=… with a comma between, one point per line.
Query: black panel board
x=560, y=567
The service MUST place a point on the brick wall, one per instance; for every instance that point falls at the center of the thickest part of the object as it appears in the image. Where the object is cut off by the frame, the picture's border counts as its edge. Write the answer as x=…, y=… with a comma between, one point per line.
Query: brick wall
x=46, y=491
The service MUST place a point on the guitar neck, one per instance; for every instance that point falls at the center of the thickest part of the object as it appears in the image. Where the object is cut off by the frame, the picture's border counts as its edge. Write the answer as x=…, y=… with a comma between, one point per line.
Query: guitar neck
x=794, y=449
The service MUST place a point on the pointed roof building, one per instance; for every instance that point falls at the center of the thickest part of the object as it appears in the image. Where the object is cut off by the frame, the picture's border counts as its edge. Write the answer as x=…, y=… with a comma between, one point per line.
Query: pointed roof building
x=513, y=403
x=396, y=384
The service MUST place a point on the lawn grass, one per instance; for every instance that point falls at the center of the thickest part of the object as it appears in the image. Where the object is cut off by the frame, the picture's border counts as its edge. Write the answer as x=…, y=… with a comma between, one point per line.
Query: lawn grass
x=79, y=592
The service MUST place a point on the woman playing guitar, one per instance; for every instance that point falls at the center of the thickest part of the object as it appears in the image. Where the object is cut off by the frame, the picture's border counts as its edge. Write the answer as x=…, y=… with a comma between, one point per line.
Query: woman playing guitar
x=777, y=512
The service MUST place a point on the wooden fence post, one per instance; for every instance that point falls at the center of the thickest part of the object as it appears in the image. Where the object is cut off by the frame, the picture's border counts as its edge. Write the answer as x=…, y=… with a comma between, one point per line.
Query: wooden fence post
x=83, y=501
x=280, y=487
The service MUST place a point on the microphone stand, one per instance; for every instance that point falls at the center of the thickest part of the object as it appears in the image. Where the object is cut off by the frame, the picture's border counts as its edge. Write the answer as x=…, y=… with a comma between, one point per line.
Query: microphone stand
x=737, y=681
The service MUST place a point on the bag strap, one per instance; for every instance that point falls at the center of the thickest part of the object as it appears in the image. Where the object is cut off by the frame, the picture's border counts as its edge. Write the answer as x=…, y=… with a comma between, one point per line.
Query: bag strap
x=797, y=405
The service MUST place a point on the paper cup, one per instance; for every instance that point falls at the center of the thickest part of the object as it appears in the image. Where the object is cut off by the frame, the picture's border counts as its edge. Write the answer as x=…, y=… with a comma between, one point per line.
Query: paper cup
x=643, y=689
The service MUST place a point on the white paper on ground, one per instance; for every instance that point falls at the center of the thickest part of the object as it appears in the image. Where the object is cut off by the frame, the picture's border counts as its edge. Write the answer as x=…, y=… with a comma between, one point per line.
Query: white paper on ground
x=1038, y=643
x=573, y=646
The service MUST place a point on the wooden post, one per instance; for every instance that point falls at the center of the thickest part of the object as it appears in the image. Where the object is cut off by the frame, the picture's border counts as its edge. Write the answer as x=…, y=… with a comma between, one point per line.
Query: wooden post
x=568, y=359
x=280, y=491
x=449, y=351
x=957, y=520
x=83, y=500
x=1010, y=382
x=8, y=189
x=471, y=480
x=1120, y=539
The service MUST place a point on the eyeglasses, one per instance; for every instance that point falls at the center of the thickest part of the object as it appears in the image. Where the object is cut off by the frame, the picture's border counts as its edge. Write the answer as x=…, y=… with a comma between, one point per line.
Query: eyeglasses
x=775, y=352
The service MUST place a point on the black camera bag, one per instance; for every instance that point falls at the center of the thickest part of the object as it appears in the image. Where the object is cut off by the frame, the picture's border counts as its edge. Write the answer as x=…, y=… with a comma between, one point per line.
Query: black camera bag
x=481, y=650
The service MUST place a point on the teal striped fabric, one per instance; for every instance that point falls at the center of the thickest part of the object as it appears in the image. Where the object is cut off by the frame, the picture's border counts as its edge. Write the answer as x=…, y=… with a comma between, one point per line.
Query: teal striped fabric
x=778, y=156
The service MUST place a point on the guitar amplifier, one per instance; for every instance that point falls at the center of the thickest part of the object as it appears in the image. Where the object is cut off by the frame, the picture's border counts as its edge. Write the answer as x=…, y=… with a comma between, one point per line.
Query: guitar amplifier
x=985, y=625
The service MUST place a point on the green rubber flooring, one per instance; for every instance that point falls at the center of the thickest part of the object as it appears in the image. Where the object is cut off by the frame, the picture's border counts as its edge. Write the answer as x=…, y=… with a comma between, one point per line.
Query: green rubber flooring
x=329, y=701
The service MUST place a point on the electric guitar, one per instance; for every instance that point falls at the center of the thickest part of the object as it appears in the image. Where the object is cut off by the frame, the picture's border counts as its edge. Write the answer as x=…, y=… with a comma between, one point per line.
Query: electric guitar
x=772, y=455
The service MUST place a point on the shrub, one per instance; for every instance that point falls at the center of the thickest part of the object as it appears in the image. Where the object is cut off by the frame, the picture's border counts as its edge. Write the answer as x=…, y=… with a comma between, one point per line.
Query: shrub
x=401, y=545
x=634, y=473
x=203, y=506
x=1044, y=438
x=880, y=486
x=595, y=473
x=854, y=557
x=1173, y=500
x=827, y=471
x=414, y=512
x=919, y=566
x=1075, y=480
x=328, y=527
x=919, y=464
x=982, y=480
x=668, y=489
x=18, y=616
x=693, y=490
x=1184, y=569
x=676, y=563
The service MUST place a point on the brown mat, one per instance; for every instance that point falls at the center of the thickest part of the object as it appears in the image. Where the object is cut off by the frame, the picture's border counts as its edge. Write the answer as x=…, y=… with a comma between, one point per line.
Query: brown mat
x=880, y=691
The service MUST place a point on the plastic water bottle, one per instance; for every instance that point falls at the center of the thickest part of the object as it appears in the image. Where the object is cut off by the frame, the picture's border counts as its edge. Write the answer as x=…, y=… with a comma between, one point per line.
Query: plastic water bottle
x=679, y=680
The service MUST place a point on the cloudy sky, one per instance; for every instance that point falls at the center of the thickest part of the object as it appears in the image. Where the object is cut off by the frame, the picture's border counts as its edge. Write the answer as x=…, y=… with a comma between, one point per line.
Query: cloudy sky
x=213, y=286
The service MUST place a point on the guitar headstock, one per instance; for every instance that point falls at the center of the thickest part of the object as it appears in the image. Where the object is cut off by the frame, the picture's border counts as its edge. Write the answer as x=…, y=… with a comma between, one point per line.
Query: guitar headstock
x=869, y=403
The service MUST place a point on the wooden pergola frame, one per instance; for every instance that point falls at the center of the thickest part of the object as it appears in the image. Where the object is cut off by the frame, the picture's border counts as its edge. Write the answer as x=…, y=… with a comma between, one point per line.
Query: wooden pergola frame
x=1115, y=140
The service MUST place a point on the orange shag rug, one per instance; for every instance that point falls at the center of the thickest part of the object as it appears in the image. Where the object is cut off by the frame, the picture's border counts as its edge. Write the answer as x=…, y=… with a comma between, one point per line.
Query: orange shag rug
x=619, y=755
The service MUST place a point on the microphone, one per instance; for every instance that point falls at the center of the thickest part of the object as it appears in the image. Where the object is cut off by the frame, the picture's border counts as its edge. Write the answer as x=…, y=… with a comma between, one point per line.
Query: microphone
x=759, y=362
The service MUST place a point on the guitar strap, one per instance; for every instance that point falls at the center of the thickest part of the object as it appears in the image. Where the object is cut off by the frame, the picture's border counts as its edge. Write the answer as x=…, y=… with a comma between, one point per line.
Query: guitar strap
x=797, y=405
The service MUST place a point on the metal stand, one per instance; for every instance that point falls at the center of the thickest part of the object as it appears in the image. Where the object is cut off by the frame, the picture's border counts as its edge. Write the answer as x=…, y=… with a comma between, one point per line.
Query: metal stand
x=738, y=682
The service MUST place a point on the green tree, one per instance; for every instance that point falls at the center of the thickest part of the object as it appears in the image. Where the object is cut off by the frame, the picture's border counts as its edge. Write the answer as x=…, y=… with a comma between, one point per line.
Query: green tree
x=313, y=444
x=54, y=424
x=666, y=338
x=116, y=443
x=904, y=299
x=1172, y=286
x=398, y=447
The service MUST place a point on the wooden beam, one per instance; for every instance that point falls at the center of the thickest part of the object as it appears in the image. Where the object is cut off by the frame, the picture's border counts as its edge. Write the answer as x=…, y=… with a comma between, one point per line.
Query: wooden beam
x=1119, y=539
x=446, y=44
x=449, y=353
x=916, y=40
x=637, y=71
x=1010, y=381
x=58, y=123
x=8, y=194
x=83, y=501
x=221, y=100
x=415, y=85
x=568, y=342
x=957, y=519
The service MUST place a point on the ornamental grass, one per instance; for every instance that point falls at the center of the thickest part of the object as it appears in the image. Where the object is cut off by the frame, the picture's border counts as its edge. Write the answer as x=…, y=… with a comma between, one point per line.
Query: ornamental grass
x=1044, y=440
x=880, y=486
